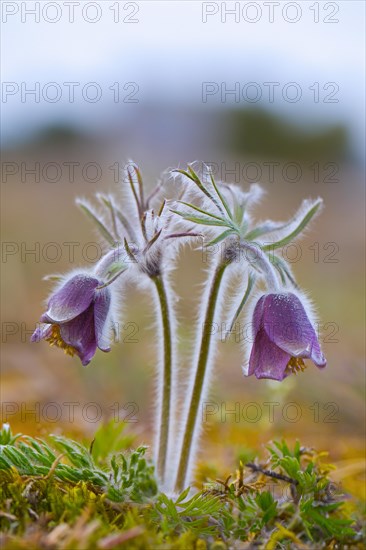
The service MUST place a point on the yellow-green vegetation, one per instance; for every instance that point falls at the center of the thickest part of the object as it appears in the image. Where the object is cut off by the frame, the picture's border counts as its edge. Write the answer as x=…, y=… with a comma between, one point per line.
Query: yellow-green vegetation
x=61, y=494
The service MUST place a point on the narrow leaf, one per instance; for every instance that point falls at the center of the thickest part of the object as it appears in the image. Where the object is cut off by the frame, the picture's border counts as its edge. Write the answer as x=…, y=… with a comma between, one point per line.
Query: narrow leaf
x=282, y=269
x=201, y=211
x=134, y=192
x=266, y=227
x=140, y=183
x=161, y=209
x=108, y=203
x=296, y=231
x=103, y=230
x=201, y=221
x=221, y=237
x=124, y=221
x=184, y=234
x=251, y=282
x=52, y=278
x=221, y=197
x=191, y=174
x=183, y=495
x=129, y=251
x=143, y=226
x=153, y=240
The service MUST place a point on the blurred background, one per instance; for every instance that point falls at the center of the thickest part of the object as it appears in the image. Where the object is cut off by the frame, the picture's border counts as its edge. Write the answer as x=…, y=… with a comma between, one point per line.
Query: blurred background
x=268, y=92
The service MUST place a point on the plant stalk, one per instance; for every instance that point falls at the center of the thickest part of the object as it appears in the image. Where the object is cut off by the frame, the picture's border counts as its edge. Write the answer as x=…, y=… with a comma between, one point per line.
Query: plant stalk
x=190, y=426
x=165, y=412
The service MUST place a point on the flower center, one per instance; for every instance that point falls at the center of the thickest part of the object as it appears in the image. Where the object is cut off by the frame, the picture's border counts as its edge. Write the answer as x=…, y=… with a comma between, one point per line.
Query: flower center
x=295, y=365
x=55, y=339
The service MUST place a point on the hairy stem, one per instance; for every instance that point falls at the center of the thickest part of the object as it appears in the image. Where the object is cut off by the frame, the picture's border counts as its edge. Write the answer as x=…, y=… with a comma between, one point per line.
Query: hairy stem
x=196, y=397
x=165, y=411
x=263, y=262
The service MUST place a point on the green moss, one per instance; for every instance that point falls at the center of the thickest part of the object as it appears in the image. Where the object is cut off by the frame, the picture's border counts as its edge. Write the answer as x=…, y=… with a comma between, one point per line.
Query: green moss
x=60, y=494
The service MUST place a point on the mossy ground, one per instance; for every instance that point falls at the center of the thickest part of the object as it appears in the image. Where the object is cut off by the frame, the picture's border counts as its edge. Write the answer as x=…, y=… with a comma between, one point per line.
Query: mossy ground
x=61, y=494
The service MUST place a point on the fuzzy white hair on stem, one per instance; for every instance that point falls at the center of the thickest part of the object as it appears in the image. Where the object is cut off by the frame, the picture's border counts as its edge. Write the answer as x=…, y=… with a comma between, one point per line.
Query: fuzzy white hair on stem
x=157, y=327
x=209, y=366
x=152, y=235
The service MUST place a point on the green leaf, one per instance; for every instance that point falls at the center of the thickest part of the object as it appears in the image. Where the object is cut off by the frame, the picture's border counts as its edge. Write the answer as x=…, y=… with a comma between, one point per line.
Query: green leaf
x=154, y=239
x=286, y=240
x=6, y=436
x=201, y=211
x=126, y=224
x=266, y=227
x=268, y=506
x=282, y=269
x=52, y=278
x=108, y=203
x=221, y=197
x=109, y=438
x=18, y=459
x=297, y=450
x=221, y=237
x=251, y=282
x=191, y=174
x=101, y=227
x=291, y=466
x=121, y=494
x=199, y=220
x=182, y=496
x=77, y=454
x=133, y=189
x=35, y=455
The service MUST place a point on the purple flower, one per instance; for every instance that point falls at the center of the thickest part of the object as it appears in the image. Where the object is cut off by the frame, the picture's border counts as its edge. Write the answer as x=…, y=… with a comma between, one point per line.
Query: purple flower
x=78, y=318
x=283, y=337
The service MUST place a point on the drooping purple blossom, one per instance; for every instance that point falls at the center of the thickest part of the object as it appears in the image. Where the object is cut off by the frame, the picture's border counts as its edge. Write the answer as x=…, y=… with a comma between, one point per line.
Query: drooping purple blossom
x=78, y=318
x=283, y=337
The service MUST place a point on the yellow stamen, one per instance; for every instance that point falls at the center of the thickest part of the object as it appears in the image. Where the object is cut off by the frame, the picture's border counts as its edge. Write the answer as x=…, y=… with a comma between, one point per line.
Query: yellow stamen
x=295, y=365
x=55, y=340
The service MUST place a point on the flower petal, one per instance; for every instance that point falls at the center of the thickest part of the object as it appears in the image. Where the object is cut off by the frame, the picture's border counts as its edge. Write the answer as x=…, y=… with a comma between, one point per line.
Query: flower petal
x=80, y=334
x=258, y=315
x=317, y=356
x=42, y=331
x=266, y=359
x=71, y=299
x=287, y=325
x=102, y=305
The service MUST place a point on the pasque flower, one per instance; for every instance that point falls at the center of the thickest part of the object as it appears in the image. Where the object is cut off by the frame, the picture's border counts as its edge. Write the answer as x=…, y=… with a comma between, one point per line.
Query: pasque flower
x=146, y=231
x=79, y=314
x=149, y=236
x=283, y=337
x=283, y=334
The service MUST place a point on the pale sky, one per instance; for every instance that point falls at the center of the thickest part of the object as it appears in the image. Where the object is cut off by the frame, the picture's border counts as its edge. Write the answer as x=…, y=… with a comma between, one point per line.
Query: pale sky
x=169, y=51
